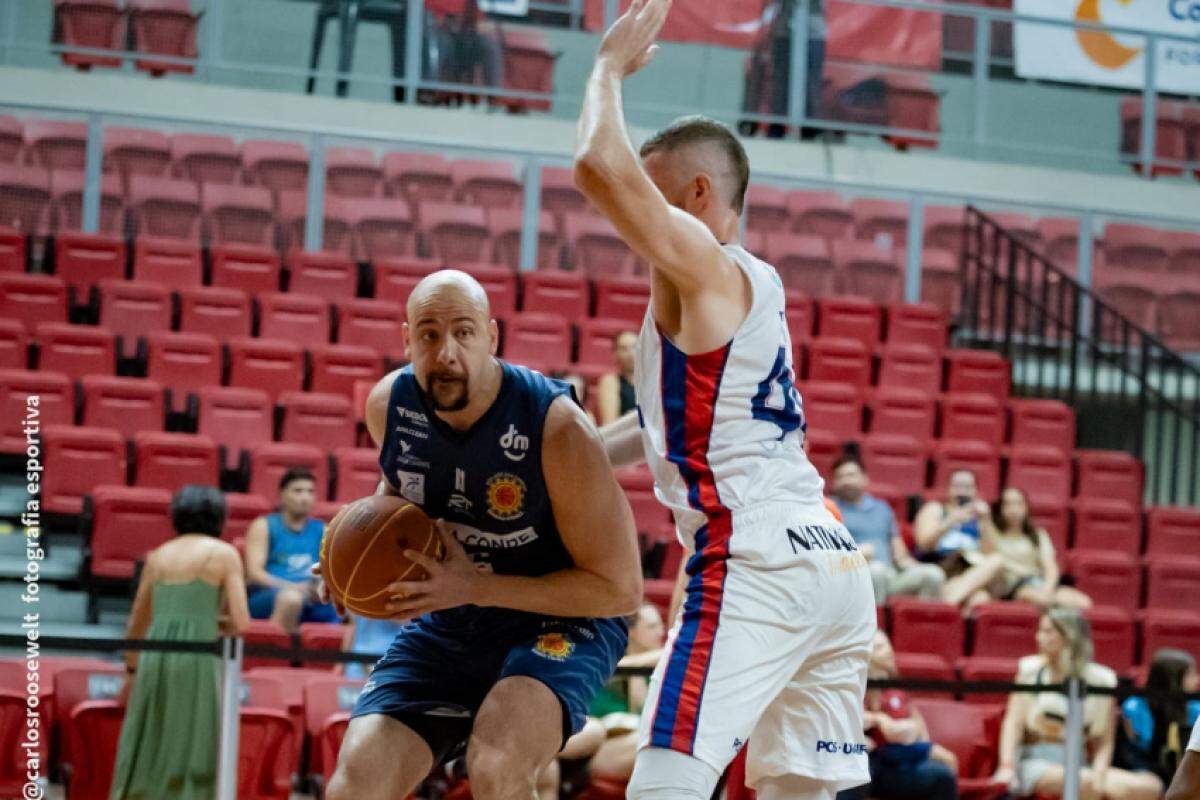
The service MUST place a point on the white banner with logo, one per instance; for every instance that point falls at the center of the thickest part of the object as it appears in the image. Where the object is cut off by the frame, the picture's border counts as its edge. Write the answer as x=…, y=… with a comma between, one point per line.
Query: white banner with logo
x=1108, y=59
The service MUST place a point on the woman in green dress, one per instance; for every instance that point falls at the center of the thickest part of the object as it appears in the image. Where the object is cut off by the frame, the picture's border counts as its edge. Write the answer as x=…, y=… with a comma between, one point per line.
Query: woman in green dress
x=168, y=746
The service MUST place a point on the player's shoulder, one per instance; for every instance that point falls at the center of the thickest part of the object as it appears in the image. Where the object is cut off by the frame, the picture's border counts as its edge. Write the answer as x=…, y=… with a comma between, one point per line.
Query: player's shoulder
x=534, y=384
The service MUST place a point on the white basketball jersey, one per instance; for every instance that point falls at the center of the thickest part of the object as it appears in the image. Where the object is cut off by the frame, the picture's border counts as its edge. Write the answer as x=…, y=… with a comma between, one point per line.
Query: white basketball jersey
x=724, y=430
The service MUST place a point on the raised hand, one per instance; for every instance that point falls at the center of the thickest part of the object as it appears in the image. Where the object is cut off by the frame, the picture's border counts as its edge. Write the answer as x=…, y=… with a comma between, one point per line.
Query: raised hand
x=629, y=44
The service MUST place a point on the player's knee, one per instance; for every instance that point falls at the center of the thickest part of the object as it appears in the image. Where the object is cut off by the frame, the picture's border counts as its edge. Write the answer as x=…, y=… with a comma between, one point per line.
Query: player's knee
x=496, y=774
x=660, y=774
x=795, y=787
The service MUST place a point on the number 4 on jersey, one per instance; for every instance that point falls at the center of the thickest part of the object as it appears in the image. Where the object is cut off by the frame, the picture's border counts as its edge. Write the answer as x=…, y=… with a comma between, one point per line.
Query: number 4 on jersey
x=788, y=417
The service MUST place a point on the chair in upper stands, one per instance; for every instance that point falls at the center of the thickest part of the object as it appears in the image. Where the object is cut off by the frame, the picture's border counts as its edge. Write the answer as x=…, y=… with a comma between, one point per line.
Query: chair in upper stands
x=12, y=138
x=1172, y=583
x=56, y=404
x=539, y=341
x=272, y=365
x=833, y=407
x=850, y=318
x=269, y=460
x=357, y=473
x=66, y=196
x=842, y=360
x=556, y=292
x=766, y=209
x=324, y=420
x=352, y=172
x=941, y=285
x=978, y=371
x=235, y=418
x=486, y=184
x=455, y=234
x=981, y=459
x=820, y=213
x=166, y=28
x=1110, y=474
x=216, y=311
x=14, y=344
x=240, y=511
x=1170, y=628
x=91, y=25
x=1049, y=423
x=337, y=367
x=136, y=151
x=917, y=323
x=127, y=523
x=804, y=263
x=976, y=417
x=242, y=215
x=417, y=177
x=867, y=270
x=183, y=363
x=904, y=411
x=374, y=324
x=250, y=268
x=1004, y=629
x=12, y=250
x=927, y=626
x=172, y=460
x=172, y=262
x=1114, y=636
x=293, y=317
x=126, y=405
x=910, y=366
x=25, y=198
x=504, y=228
x=1043, y=471
x=1173, y=531
x=57, y=144
x=1109, y=578
x=166, y=207
x=622, y=298
x=277, y=165
x=75, y=350
x=594, y=247
x=329, y=275
x=206, y=157
x=500, y=283
x=884, y=222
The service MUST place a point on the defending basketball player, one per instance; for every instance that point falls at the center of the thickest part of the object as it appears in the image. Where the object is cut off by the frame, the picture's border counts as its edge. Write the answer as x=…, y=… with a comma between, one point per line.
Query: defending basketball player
x=519, y=626
x=777, y=619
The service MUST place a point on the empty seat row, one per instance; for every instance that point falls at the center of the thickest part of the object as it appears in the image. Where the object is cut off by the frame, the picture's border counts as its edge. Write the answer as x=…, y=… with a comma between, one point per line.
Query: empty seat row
x=151, y=27
x=1176, y=135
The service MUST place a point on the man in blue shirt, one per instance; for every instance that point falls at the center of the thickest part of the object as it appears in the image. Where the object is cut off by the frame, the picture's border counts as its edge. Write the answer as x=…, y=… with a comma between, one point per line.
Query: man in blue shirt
x=873, y=525
x=280, y=551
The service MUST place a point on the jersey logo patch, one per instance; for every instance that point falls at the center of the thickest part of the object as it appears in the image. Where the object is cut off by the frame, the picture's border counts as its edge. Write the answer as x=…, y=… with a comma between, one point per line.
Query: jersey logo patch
x=554, y=646
x=505, y=496
x=412, y=486
x=515, y=444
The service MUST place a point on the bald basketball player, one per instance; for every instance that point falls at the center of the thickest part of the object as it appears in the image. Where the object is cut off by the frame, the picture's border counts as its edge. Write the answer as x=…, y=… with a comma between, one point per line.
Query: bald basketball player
x=521, y=624
x=772, y=644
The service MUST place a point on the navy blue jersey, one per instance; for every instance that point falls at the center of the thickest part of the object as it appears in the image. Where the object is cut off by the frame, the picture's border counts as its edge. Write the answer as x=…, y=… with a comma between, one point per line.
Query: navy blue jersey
x=485, y=482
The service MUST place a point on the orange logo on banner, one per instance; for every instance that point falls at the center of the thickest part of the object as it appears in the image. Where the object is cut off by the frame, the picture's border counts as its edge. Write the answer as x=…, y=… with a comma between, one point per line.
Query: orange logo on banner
x=1101, y=46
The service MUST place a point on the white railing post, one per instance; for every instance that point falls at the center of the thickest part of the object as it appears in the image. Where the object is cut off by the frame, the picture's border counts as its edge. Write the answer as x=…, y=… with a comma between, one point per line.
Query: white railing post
x=1073, y=759
x=227, y=754
x=1149, y=108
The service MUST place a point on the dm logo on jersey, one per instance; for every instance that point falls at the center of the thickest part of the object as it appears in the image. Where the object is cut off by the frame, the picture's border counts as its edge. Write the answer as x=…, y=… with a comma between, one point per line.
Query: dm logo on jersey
x=505, y=496
x=554, y=646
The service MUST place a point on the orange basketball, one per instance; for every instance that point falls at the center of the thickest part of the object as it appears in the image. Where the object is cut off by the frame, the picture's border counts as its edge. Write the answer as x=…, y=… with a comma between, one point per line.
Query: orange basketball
x=362, y=551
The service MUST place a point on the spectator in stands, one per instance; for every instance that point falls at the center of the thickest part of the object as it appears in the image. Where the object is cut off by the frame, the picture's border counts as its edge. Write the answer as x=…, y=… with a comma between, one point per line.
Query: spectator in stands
x=1154, y=728
x=168, y=743
x=905, y=765
x=771, y=67
x=1186, y=783
x=367, y=635
x=1032, y=748
x=873, y=525
x=1030, y=571
x=614, y=392
x=280, y=551
x=581, y=389
x=949, y=532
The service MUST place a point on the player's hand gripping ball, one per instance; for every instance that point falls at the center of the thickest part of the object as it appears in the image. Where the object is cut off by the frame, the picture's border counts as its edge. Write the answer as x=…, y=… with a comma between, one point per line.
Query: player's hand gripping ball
x=362, y=552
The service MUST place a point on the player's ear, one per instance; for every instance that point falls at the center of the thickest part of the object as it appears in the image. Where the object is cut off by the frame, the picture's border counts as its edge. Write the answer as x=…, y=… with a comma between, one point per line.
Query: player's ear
x=494, y=336
x=405, y=333
x=700, y=193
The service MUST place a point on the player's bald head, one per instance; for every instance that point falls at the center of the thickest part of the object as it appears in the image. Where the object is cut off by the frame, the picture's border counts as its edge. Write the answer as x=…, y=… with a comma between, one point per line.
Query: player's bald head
x=693, y=145
x=447, y=289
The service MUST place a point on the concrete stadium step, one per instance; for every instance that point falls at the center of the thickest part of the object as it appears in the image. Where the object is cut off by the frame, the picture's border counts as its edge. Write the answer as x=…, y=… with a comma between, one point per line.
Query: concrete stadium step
x=61, y=563
x=53, y=605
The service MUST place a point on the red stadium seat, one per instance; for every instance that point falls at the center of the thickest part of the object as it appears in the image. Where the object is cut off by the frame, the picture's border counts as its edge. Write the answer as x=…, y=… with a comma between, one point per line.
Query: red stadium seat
x=986, y=669
x=83, y=260
x=910, y=366
x=279, y=166
x=165, y=207
x=504, y=226
x=963, y=729
x=804, y=263
x=1173, y=531
x=382, y=226
x=927, y=626
x=1049, y=423
x=357, y=473
x=500, y=283
x=12, y=137
x=25, y=199
x=884, y=222
x=839, y=360
x=127, y=523
x=622, y=298
x=252, y=269
x=56, y=144
x=823, y=214
x=850, y=318
x=1108, y=525
x=595, y=248
x=240, y=511
x=293, y=317
x=1040, y=471
x=596, y=338
x=1135, y=247
x=538, y=341
x=336, y=235
x=1172, y=583
x=126, y=405
x=75, y=350
x=1110, y=474
x=1184, y=246
x=326, y=636
x=206, y=157
x=823, y=450
x=941, y=284
x=638, y=485
x=163, y=27
x=220, y=312
x=136, y=151
x=1131, y=298
x=924, y=667
x=90, y=25
x=14, y=344
x=559, y=194
x=269, y=460
x=417, y=177
x=327, y=275
x=978, y=371
x=555, y=292
x=324, y=697
x=1113, y=637
x=184, y=363
x=395, y=278
x=833, y=407
x=799, y=313
x=1055, y=517
x=239, y=214
x=455, y=234
x=66, y=192
x=336, y=368
x=30, y=299
x=903, y=411
x=56, y=404
x=172, y=460
x=1170, y=628
x=766, y=209
x=133, y=309
x=173, y=263
x=235, y=418
x=1180, y=325
x=1004, y=629
x=486, y=184
x=91, y=731
x=1110, y=579
x=866, y=270
x=352, y=172
x=273, y=365
x=268, y=632
x=372, y=323
x=917, y=323
x=979, y=458
x=324, y=420
x=12, y=249
x=1060, y=241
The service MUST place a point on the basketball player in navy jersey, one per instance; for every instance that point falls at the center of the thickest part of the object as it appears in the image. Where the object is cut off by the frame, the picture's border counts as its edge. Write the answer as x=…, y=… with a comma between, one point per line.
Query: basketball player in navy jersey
x=521, y=623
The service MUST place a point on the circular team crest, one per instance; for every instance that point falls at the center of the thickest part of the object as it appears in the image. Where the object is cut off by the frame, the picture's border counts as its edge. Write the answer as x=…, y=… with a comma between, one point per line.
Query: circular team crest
x=505, y=496
x=554, y=646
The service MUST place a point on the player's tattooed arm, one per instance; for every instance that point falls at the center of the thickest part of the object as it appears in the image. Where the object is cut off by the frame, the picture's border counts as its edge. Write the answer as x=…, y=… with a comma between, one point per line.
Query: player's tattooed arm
x=623, y=441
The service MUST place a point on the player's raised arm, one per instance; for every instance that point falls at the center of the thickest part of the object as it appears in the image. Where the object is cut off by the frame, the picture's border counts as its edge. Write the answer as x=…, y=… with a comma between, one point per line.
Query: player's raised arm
x=609, y=173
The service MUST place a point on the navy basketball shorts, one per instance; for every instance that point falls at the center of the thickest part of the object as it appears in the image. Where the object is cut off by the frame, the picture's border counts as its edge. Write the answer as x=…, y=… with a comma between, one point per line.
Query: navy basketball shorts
x=438, y=671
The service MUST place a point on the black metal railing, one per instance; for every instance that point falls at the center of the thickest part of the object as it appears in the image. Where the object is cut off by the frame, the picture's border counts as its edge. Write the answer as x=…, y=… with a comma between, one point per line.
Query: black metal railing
x=1129, y=390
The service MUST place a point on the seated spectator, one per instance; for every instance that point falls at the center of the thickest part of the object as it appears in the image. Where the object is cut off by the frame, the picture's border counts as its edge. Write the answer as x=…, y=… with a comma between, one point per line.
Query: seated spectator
x=581, y=390
x=367, y=635
x=949, y=532
x=615, y=396
x=905, y=765
x=1154, y=729
x=1030, y=571
x=280, y=551
x=873, y=525
x=1032, y=746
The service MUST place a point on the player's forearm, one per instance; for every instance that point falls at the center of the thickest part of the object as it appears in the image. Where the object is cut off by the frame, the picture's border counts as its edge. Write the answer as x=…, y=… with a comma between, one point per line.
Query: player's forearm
x=623, y=441
x=603, y=150
x=571, y=592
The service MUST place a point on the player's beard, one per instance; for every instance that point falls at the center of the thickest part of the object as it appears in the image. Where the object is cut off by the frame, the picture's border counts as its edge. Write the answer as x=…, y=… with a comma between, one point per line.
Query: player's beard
x=454, y=393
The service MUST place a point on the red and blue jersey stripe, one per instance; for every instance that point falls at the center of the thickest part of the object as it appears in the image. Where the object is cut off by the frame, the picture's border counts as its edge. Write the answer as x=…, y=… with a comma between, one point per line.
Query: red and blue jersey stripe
x=690, y=386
